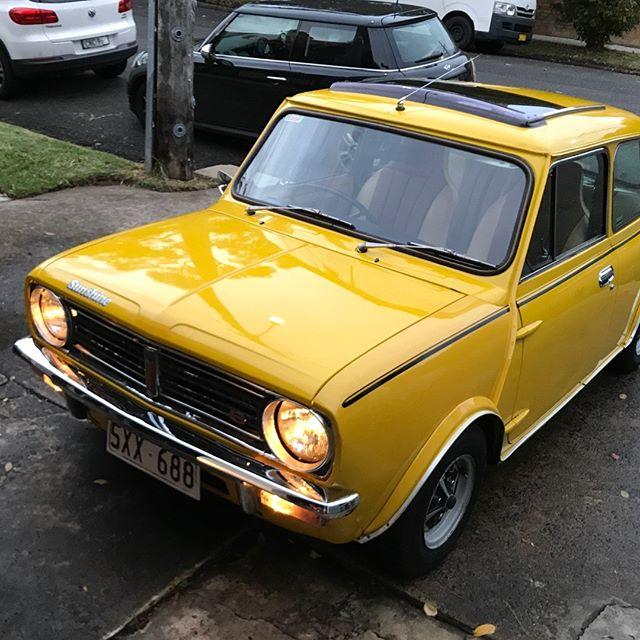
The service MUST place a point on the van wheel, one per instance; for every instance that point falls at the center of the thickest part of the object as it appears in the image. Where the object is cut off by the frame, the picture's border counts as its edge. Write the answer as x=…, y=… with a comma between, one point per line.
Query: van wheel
x=427, y=531
x=8, y=80
x=112, y=70
x=628, y=360
x=461, y=29
x=139, y=102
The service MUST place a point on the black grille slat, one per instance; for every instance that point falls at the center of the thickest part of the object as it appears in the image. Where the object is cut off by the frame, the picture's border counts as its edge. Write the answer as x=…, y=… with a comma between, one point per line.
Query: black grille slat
x=190, y=388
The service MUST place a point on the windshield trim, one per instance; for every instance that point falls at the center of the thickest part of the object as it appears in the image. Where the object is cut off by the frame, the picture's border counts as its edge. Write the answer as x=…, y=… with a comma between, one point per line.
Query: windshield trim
x=464, y=265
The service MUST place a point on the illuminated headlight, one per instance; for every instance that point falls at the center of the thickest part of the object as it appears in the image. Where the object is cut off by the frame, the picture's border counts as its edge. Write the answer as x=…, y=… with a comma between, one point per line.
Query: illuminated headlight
x=504, y=8
x=297, y=435
x=49, y=316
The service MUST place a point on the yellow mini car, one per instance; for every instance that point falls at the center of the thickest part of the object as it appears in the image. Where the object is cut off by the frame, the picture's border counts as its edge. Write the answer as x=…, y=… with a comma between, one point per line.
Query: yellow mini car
x=400, y=286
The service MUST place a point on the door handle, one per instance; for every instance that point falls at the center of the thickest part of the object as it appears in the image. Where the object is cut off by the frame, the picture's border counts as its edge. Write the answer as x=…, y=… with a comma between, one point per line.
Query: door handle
x=276, y=79
x=606, y=277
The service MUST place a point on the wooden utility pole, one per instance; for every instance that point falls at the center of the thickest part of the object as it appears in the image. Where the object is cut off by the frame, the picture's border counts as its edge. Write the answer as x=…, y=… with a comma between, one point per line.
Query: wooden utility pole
x=174, y=104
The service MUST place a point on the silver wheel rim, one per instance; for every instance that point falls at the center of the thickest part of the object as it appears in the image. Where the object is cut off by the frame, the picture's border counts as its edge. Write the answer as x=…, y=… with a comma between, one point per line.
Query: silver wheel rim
x=449, y=501
x=637, y=339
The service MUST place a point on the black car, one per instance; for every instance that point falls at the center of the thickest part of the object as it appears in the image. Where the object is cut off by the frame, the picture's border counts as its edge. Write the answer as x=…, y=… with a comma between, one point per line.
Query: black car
x=267, y=50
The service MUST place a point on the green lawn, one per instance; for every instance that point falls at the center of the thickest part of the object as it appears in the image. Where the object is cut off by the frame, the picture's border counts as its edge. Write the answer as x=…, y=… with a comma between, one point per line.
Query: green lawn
x=31, y=163
x=627, y=62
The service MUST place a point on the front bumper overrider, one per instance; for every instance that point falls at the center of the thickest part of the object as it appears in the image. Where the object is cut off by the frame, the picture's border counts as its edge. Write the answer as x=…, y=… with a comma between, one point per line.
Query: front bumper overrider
x=251, y=476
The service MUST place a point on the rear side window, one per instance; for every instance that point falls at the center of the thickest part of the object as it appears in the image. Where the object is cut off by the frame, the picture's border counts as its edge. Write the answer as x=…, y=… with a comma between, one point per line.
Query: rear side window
x=626, y=184
x=421, y=42
x=572, y=211
x=338, y=45
x=262, y=37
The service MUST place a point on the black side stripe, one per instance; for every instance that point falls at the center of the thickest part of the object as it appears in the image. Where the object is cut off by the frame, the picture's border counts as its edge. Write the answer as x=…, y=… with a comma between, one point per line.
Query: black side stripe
x=575, y=272
x=372, y=386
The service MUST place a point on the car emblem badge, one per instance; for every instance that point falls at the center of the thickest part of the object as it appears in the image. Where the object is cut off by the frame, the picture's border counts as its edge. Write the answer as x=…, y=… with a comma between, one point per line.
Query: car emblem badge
x=95, y=295
x=92, y=13
x=447, y=67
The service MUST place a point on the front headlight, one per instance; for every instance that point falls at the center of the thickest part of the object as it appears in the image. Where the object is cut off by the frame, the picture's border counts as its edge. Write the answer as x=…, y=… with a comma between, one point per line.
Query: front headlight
x=296, y=434
x=505, y=8
x=49, y=316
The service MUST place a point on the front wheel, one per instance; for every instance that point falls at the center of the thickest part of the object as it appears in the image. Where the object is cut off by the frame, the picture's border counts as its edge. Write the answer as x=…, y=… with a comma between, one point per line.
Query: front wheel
x=461, y=29
x=139, y=102
x=111, y=70
x=429, y=528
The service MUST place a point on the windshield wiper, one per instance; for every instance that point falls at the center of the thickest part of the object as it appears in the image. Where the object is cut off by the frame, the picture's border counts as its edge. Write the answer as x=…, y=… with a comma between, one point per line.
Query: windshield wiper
x=309, y=211
x=434, y=56
x=365, y=246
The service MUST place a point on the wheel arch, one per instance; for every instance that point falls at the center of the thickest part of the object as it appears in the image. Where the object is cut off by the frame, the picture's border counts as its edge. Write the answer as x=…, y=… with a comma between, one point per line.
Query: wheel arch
x=478, y=413
x=459, y=13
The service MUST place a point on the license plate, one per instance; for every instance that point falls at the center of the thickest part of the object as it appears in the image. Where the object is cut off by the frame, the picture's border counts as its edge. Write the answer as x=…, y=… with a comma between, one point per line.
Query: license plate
x=178, y=472
x=94, y=43
x=522, y=37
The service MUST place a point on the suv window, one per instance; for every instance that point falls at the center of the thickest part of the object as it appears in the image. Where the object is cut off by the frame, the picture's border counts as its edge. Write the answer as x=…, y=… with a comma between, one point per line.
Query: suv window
x=572, y=210
x=626, y=184
x=337, y=45
x=257, y=37
x=420, y=42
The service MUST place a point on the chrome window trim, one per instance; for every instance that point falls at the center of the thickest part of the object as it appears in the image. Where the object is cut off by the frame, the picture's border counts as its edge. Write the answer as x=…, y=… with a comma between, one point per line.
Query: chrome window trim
x=613, y=185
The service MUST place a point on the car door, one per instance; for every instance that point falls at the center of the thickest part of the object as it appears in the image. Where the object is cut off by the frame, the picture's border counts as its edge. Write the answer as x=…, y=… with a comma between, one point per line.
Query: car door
x=625, y=226
x=325, y=53
x=245, y=81
x=565, y=298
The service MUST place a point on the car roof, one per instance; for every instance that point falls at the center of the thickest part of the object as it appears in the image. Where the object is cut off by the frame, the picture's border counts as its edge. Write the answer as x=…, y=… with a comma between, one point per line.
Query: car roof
x=372, y=13
x=525, y=120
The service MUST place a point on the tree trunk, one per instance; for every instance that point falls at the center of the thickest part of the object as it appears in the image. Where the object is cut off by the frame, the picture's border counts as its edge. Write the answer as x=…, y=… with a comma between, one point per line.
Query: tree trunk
x=174, y=89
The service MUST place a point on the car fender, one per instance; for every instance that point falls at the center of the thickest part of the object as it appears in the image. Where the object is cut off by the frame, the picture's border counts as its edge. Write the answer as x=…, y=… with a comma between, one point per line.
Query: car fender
x=480, y=23
x=467, y=415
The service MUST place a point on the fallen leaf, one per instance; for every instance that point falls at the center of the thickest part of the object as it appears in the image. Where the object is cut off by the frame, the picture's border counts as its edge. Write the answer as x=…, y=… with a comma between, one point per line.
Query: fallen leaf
x=615, y=456
x=85, y=588
x=539, y=585
x=314, y=555
x=100, y=481
x=624, y=494
x=431, y=609
x=623, y=396
x=8, y=467
x=484, y=630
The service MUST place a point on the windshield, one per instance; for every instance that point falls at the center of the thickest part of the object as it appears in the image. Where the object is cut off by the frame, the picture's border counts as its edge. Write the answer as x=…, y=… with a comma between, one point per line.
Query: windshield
x=389, y=185
x=422, y=41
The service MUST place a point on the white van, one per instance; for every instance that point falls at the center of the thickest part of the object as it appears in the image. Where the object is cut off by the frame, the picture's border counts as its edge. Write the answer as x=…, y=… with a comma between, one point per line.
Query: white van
x=485, y=23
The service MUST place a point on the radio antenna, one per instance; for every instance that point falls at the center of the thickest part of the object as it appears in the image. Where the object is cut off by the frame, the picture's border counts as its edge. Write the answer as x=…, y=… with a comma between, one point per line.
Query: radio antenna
x=400, y=103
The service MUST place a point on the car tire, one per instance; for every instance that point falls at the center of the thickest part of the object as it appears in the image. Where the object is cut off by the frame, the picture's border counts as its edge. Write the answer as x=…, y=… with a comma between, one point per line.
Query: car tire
x=461, y=29
x=111, y=70
x=139, y=102
x=628, y=360
x=8, y=80
x=490, y=47
x=409, y=548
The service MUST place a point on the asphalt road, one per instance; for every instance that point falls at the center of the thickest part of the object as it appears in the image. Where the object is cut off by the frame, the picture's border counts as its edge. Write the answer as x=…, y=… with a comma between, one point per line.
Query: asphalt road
x=94, y=112
x=554, y=537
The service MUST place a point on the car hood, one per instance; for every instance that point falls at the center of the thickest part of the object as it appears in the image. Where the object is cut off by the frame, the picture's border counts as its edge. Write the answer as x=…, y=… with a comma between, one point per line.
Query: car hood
x=281, y=311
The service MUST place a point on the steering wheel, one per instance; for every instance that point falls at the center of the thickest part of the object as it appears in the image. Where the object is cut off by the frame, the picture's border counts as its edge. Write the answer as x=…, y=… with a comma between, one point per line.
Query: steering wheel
x=350, y=199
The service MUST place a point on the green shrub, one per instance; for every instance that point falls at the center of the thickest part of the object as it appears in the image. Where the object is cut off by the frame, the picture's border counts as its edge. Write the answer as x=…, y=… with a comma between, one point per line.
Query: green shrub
x=596, y=21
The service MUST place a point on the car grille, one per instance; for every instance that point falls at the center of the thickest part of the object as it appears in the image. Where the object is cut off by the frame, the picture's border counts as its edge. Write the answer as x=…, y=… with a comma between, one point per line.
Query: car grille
x=522, y=12
x=187, y=387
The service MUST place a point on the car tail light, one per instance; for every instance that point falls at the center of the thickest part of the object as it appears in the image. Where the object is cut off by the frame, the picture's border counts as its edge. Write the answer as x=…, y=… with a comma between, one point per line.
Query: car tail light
x=24, y=15
x=124, y=6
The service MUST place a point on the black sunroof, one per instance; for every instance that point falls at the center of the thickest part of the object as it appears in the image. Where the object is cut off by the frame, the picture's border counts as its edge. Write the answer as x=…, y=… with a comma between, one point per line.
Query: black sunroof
x=495, y=104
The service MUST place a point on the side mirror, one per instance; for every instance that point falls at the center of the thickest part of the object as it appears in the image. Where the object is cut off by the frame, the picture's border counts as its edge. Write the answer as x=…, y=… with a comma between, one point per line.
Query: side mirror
x=208, y=53
x=224, y=179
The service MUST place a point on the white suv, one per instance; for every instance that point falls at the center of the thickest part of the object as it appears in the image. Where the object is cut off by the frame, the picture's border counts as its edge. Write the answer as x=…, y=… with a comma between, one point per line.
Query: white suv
x=55, y=35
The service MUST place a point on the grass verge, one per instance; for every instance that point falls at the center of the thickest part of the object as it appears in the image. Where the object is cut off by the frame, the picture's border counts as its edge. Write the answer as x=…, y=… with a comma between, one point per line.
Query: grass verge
x=31, y=164
x=612, y=60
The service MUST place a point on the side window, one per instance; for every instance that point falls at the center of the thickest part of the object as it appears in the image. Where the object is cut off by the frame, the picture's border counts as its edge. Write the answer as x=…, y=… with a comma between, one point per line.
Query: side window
x=257, y=37
x=626, y=184
x=572, y=210
x=338, y=45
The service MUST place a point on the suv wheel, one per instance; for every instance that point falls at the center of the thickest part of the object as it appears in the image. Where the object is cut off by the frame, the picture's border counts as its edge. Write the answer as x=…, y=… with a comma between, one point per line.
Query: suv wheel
x=8, y=80
x=461, y=30
x=139, y=102
x=427, y=531
x=112, y=70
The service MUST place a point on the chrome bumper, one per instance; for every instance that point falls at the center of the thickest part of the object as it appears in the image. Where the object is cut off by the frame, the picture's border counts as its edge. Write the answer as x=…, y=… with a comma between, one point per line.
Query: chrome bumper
x=250, y=474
